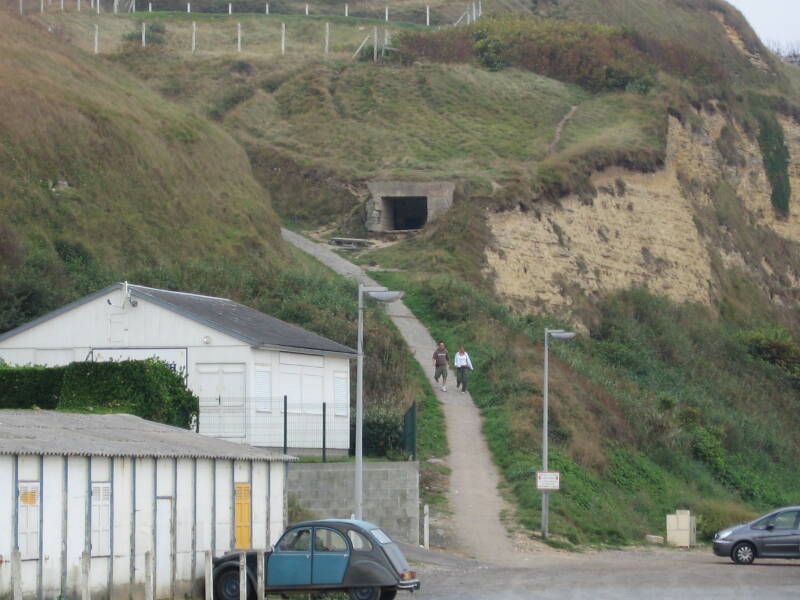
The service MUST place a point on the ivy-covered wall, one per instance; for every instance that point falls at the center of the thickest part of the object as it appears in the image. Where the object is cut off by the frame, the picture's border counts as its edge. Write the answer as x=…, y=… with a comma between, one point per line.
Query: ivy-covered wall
x=145, y=388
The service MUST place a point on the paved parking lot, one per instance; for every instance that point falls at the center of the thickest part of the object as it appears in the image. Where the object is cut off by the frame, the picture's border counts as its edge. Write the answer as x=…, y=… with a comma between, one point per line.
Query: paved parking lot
x=618, y=575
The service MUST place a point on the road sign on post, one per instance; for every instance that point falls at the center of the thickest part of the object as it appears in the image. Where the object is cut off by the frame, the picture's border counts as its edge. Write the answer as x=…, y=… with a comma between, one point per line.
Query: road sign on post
x=548, y=480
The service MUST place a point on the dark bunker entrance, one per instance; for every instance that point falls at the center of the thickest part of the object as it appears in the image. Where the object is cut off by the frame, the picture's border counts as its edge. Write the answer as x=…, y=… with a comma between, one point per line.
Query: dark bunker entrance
x=406, y=212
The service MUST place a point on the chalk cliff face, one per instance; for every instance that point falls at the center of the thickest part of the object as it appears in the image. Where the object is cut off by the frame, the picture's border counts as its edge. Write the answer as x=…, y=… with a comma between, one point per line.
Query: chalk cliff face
x=667, y=231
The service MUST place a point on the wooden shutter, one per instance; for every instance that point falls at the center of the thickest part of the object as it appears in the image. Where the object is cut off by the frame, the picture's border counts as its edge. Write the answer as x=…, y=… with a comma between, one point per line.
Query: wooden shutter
x=242, y=516
x=101, y=519
x=28, y=526
x=341, y=392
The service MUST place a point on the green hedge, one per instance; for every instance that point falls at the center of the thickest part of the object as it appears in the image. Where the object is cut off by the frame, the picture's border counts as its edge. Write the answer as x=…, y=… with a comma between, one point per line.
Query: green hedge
x=26, y=387
x=148, y=389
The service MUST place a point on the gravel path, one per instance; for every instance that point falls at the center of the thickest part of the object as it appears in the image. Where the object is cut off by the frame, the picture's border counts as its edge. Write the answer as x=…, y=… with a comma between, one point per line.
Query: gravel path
x=474, y=499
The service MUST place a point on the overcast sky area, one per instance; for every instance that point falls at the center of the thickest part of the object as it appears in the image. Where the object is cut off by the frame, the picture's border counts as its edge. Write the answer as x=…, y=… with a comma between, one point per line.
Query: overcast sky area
x=773, y=20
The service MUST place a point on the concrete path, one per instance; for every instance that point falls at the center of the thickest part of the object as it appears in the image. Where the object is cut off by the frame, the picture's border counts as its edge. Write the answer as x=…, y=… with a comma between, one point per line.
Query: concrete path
x=474, y=499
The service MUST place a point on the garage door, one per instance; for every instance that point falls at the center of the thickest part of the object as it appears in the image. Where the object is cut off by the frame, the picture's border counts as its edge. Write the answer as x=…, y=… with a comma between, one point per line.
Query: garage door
x=222, y=393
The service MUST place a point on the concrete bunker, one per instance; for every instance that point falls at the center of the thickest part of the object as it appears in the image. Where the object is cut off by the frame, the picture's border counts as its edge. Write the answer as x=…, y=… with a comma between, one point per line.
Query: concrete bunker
x=406, y=205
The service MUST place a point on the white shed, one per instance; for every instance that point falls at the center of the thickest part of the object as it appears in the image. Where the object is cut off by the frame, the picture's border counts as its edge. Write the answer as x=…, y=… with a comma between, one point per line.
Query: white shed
x=240, y=362
x=104, y=490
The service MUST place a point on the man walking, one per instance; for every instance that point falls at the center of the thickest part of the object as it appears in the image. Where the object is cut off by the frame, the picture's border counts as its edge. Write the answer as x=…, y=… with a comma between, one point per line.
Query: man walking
x=441, y=359
x=462, y=363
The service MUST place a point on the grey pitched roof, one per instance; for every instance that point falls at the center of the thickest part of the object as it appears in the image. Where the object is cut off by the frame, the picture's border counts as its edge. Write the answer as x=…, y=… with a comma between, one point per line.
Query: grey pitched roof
x=229, y=317
x=57, y=433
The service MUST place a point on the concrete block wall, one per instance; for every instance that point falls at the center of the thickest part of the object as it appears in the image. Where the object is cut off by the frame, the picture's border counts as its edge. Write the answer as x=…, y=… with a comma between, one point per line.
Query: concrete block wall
x=438, y=193
x=391, y=493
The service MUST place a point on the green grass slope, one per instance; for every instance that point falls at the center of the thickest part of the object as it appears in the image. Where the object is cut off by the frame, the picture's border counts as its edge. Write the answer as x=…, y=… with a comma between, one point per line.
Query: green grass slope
x=95, y=168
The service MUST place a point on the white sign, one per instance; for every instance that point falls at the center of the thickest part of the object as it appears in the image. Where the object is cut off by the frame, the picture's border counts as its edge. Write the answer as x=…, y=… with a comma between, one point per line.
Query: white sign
x=548, y=480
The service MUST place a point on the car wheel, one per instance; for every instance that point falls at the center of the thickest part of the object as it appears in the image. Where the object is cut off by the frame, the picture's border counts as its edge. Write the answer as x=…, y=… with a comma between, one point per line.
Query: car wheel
x=365, y=593
x=226, y=586
x=388, y=593
x=744, y=553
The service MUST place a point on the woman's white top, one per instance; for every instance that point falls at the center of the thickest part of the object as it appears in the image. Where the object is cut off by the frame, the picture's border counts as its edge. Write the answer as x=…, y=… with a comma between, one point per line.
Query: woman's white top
x=462, y=360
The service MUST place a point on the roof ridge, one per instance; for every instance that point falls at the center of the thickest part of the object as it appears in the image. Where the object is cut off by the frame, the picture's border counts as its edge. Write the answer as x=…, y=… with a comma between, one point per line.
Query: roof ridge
x=145, y=287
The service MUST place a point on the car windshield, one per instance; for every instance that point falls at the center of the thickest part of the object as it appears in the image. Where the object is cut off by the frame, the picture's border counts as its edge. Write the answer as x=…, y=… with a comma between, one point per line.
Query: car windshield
x=381, y=536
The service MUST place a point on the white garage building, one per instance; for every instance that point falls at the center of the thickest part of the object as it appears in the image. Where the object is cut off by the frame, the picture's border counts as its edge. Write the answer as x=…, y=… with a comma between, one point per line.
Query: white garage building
x=240, y=362
x=112, y=488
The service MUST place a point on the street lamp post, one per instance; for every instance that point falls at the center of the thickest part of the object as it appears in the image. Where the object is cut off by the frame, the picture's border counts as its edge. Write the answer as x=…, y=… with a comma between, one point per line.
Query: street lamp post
x=381, y=294
x=558, y=334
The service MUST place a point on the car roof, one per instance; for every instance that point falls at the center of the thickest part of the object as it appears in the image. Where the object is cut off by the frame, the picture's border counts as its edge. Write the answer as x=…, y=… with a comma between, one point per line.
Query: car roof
x=366, y=525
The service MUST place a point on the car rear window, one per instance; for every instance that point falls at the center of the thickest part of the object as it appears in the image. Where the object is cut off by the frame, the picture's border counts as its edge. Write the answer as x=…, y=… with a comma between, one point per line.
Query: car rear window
x=359, y=541
x=380, y=536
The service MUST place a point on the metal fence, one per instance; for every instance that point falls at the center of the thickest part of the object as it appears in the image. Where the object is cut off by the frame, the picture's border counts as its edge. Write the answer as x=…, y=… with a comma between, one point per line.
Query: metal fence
x=291, y=425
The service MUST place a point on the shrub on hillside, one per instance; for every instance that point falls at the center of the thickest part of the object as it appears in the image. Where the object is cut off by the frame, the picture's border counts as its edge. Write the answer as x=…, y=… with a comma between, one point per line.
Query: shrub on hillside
x=155, y=33
x=28, y=387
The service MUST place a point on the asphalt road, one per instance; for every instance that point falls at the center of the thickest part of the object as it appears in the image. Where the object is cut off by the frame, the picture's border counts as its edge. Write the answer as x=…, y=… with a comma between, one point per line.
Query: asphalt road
x=622, y=575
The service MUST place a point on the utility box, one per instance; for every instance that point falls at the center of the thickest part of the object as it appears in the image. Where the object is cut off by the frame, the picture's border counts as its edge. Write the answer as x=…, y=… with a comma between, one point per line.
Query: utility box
x=682, y=529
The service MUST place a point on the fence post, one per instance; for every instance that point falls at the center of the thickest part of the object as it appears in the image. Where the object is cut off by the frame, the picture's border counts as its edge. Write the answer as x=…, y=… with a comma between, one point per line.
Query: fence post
x=16, y=564
x=266, y=9
x=149, y=7
x=242, y=577
x=188, y=7
x=426, y=527
x=41, y=6
x=386, y=13
x=260, y=595
x=97, y=5
x=97, y=38
x=144, y=42
x=62, y=5
x=346, y=10
x=194, y=36
x=238, y=37
x=86, y=562
x=21, y=10
x=480, y=9
x=115, y=7
x=428, y=15
x=230, y=8
x=148, y=576
x=79, y=5
x=306, y=9
x=327, y=44
x=209, y=574
x=375, y=44
x=285, y=401
x=324, y=431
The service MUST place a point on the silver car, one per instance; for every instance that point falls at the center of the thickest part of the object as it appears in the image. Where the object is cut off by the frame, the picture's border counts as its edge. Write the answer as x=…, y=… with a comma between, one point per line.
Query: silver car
x=775, y=535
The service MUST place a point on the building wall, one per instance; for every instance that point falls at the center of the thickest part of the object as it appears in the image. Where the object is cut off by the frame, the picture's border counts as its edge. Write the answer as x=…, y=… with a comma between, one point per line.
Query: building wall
x=251, y=382
x=147, y=497
x=391, y=493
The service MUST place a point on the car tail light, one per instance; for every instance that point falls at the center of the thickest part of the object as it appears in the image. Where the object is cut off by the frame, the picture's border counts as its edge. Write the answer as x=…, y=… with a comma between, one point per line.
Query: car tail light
x=408, y=575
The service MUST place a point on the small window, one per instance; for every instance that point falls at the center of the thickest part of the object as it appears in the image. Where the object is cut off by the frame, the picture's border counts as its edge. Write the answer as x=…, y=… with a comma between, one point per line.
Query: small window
x=786, y=520
x=359, y=542
x=328, y=540
x=297, y=540
x=381, y=537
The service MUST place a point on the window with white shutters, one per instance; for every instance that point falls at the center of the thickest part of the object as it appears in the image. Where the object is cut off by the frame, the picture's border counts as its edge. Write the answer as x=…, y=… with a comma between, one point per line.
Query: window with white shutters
x=29, y=502
x=101, y=518
x=341, y=392
x=263, y=390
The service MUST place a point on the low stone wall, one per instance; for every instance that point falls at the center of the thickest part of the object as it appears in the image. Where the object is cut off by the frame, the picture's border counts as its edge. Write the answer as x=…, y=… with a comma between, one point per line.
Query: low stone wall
x=391, y=493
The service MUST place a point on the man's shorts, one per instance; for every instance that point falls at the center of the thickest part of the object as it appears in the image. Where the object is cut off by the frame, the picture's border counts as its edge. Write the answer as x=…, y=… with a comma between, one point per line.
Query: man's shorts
x=441, y=371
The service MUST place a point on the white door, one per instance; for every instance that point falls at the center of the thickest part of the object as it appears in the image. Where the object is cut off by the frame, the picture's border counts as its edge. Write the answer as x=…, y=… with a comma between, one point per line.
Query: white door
x=221, y=389
x=163, y=548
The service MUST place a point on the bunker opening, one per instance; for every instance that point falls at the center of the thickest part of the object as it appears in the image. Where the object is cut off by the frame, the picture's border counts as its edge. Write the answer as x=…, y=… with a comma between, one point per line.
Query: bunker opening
x=405, y=212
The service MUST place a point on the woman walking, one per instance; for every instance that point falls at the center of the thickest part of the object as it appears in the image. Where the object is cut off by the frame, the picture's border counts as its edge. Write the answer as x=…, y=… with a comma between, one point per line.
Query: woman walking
x=462, y=363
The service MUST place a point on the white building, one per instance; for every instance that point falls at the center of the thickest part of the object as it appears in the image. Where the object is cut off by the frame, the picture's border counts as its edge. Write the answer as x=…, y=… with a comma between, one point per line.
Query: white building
x=240, y=362
x=116, y=487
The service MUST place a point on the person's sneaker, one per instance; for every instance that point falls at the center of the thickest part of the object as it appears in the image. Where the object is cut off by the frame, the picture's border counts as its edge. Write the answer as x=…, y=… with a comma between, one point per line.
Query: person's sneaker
x=444, y=388
x=463, y=391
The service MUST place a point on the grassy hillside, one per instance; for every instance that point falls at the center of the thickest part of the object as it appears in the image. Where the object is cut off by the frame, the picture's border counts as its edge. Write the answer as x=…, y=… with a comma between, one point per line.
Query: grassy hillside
x=660, y=407
x=102, y=179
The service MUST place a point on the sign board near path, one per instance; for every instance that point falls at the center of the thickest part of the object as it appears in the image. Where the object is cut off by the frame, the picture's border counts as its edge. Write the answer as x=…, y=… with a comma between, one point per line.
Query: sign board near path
x=548, y=480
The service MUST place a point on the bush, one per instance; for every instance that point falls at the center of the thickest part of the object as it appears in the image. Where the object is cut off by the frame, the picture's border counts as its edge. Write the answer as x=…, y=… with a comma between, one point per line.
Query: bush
x=155, y=34
x=776, y=161
x=28, y=387
x=714, y=515
x=383, y=431
x=148, y=389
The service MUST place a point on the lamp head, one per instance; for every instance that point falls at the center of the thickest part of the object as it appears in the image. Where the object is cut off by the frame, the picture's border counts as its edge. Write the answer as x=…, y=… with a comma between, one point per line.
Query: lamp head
x=560, y=334
x=385, y=296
